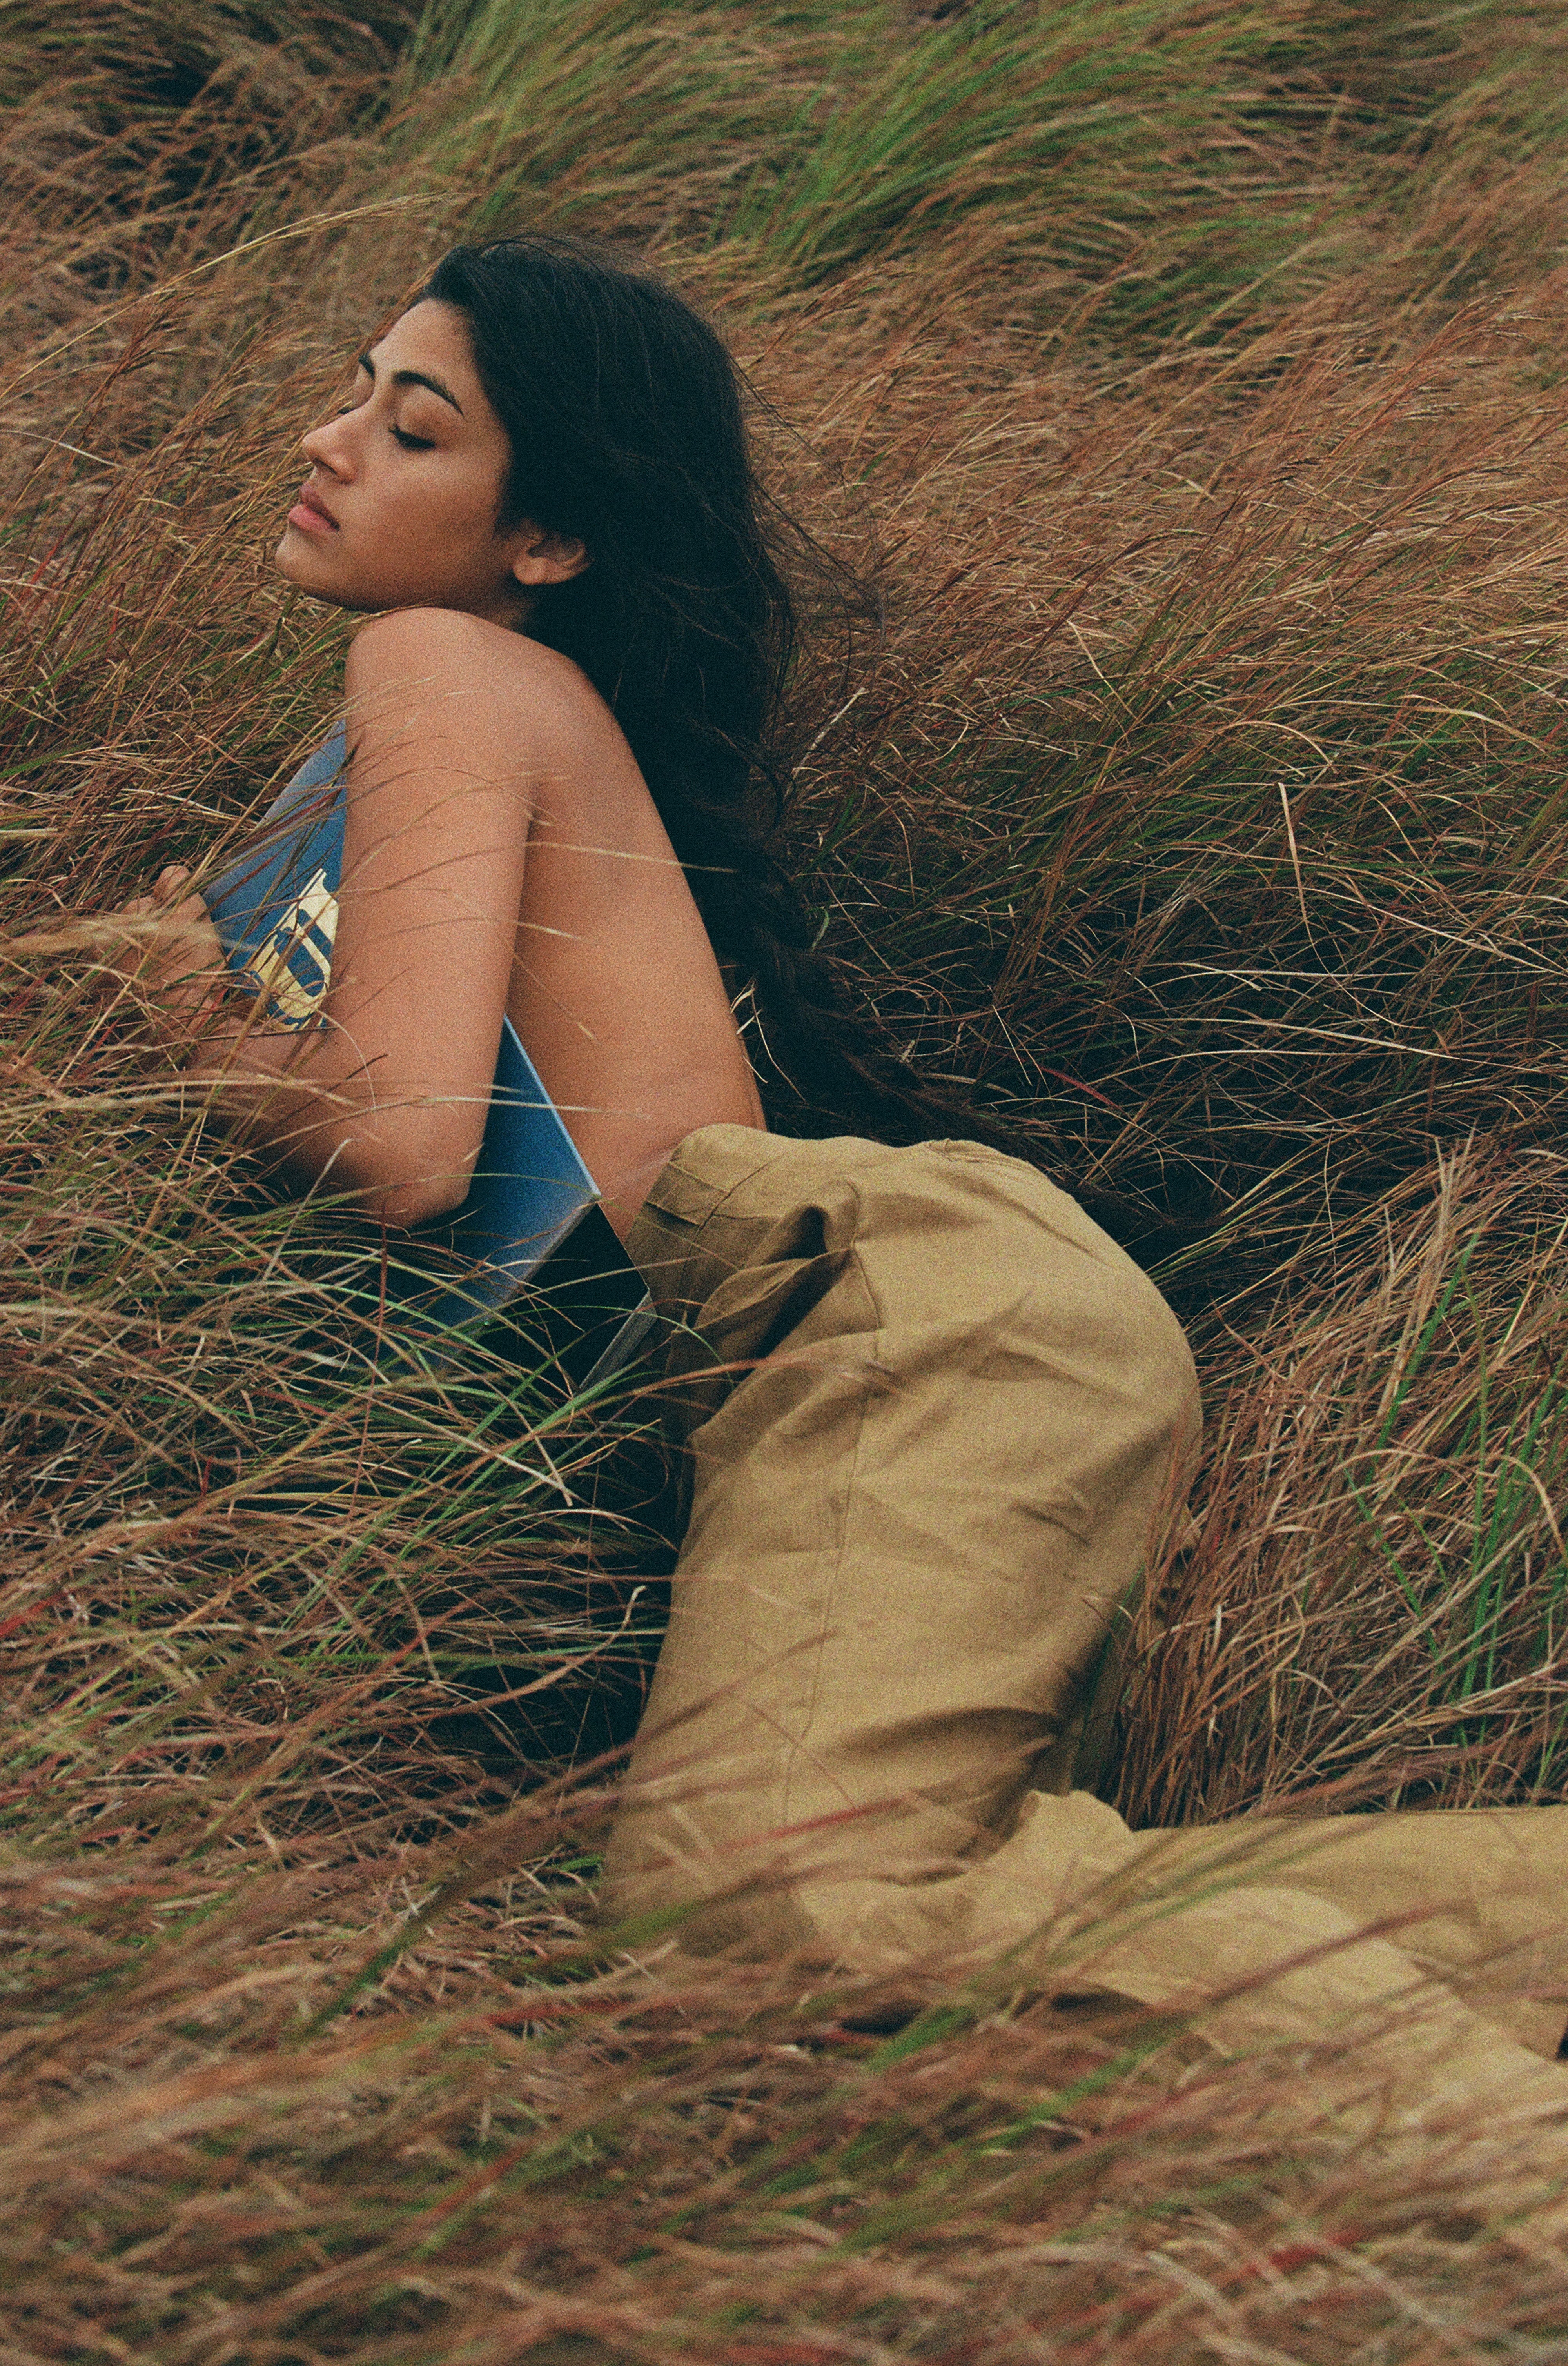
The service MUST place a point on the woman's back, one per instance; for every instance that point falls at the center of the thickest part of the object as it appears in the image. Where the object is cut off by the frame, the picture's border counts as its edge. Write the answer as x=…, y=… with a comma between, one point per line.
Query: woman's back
x=615, y=989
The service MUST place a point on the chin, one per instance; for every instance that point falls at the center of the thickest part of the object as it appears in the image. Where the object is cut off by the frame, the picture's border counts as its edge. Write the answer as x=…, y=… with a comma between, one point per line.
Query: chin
x=286, y=558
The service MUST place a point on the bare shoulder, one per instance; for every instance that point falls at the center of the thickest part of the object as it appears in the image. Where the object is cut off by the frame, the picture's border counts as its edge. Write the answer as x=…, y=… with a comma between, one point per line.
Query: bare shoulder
x=446, y=651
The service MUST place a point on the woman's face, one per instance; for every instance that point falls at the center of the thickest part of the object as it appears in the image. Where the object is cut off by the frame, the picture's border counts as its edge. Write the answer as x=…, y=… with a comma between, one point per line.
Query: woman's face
x=400, y=506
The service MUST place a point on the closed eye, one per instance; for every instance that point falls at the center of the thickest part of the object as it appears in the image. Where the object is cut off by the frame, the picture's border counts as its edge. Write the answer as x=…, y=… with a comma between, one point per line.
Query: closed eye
x=413, y=442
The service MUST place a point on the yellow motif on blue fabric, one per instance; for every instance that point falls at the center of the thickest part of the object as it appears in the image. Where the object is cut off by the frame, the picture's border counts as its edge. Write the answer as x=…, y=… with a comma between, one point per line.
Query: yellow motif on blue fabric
x=294, y=965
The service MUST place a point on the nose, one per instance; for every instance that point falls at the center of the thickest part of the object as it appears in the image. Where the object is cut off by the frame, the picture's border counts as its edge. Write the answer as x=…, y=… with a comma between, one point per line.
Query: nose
x=328, y=447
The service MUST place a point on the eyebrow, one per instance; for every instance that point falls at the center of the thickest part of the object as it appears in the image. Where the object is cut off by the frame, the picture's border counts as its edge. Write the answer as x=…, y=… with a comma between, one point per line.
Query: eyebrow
x=415, y=377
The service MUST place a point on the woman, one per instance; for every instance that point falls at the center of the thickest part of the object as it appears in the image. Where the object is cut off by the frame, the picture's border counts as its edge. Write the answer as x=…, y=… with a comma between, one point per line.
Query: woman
x=931, y=1412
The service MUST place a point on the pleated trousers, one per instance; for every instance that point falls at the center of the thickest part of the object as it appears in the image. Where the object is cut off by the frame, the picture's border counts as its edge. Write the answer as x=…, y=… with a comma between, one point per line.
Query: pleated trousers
x=932, y=1420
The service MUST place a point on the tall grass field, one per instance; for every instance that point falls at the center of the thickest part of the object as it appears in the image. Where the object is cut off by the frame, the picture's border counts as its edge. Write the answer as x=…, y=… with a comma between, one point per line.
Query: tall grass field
x=1174, y=395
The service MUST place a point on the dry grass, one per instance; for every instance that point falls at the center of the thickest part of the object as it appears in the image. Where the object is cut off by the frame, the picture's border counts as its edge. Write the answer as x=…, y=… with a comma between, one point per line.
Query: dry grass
x=1190, y=379
x=1203, y=806
x=503, y=2155
x=1371, y=1592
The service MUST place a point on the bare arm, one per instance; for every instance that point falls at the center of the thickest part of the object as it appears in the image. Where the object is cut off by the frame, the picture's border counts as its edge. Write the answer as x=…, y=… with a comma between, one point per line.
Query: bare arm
x=386, y=1097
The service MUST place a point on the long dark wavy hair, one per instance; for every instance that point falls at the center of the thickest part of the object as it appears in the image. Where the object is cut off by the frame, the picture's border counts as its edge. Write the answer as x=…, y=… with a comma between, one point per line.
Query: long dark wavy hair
x=625, y=417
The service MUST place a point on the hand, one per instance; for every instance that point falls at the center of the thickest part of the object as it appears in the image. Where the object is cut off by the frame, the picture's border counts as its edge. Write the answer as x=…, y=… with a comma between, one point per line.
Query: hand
x=174, y=961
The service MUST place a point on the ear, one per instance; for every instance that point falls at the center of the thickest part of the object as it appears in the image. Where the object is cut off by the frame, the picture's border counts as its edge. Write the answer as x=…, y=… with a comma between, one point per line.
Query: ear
x=539, y=555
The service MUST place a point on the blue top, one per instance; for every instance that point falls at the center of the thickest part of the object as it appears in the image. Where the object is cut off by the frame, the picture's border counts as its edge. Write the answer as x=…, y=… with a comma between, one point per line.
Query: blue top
x=275, y=911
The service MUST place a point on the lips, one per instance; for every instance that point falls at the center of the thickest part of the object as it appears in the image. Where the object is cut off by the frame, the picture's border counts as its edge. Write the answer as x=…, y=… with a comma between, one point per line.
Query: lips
x=311, y=514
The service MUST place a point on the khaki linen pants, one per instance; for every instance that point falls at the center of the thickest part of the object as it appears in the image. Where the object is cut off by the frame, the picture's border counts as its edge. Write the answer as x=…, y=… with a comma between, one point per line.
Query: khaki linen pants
x=932, y=1414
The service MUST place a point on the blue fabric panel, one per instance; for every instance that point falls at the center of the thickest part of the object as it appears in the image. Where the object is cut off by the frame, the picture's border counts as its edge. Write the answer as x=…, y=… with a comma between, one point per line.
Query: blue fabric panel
x=276, y=910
